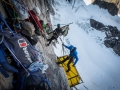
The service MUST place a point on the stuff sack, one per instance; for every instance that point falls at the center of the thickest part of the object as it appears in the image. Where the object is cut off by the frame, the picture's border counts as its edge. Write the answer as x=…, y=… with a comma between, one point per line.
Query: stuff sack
x=20, y=9
x=35, y=81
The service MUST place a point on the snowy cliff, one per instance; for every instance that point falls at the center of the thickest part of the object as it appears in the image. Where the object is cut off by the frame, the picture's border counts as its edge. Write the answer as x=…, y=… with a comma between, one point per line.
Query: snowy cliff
x=98, y=65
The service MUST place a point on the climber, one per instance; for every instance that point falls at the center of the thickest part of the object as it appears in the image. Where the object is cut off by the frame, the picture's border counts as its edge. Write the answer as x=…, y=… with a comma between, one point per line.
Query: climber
x=71, y=57
x=46, y=27
x=56, y=34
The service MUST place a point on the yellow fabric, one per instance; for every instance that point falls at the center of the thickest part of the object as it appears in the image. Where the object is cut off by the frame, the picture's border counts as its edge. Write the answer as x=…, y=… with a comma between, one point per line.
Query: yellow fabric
x=73, y=75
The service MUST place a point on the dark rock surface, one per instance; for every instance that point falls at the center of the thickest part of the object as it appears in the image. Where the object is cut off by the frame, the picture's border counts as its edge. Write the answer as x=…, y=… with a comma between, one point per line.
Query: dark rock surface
x=110, y=42
x=116, y=49
x=95, y=24
x=112, y=30
x=112, y=39
x=111, y=7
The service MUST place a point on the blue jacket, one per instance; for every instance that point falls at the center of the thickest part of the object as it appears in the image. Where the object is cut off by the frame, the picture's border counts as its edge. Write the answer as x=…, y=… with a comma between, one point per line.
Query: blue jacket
x=4, y=66
x=72, y=54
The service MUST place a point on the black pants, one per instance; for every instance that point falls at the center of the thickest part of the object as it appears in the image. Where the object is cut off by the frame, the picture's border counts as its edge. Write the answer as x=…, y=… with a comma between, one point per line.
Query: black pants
x=50, y=40
x=68, y=64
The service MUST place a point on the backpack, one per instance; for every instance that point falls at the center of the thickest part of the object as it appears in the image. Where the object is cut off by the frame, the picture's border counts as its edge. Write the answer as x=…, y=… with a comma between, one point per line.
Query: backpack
x=32, y=39
x=20, y=9
x=27, y=32
x=29, y=27
x=35, y=81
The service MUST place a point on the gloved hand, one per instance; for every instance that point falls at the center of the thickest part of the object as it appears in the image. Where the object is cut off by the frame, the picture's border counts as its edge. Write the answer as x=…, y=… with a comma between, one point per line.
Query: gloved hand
x=73, y=65
x=62, y=44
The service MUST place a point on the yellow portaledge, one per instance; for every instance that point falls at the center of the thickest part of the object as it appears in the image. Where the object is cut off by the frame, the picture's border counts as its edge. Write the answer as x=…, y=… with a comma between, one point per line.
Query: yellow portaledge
x=73, y=75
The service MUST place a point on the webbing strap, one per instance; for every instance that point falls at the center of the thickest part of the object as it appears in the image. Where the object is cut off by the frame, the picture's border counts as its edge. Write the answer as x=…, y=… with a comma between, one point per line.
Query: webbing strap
x=33, y=17
x=1, y=17
x=8, y=45
x=16, y=58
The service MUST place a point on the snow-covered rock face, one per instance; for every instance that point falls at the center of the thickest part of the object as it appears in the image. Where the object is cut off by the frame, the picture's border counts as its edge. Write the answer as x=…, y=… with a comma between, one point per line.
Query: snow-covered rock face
x=111, y=7
x=117, y=48
x=97, y=25
x=87, y=2
x=112, y=38
x=98, y=66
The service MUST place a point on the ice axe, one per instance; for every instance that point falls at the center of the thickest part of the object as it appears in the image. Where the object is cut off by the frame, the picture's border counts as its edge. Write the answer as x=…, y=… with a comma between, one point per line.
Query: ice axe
x=65, y=24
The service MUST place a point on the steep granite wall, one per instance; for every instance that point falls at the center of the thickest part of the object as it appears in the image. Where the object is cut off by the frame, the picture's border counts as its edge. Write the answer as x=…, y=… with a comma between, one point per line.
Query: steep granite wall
x=113, y=6
x=55, y=74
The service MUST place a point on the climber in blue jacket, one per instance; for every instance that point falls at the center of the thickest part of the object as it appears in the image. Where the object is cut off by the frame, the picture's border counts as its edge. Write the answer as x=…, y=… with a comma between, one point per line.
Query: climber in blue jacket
x=71, y=57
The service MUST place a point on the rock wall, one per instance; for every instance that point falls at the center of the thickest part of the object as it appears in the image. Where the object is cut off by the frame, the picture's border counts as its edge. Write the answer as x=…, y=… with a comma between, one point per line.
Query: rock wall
x=112, y=39
x=55, y=74
x=2, y=10
x=113, y=6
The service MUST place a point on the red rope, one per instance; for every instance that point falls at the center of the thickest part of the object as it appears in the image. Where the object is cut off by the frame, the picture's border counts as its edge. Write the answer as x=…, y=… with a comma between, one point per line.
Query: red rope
x=18, y=60
x=33, y=18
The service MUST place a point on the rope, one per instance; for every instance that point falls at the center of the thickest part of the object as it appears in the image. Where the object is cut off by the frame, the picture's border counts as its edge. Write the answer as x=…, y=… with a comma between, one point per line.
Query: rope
x=32, y=16
x=11, y=7
x=1, y=24
x=37, y=25
x=9, y=4
x=42, y=31
x=35, y=20
x=5, y=23
x=2, y=38
x=64, y=24
x=62, y=45
x=60, y=39
x=7, y=45
x=17, y=59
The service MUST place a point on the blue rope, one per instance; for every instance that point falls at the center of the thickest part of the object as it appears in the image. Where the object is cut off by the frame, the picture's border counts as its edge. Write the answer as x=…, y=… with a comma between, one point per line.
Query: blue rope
x=2, y=38
x=44, y=79
x=1, y=24
x=1, y=17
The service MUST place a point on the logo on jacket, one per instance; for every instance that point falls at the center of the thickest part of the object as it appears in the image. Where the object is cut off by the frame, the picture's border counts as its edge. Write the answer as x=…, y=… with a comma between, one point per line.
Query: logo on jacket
x=22, y=43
